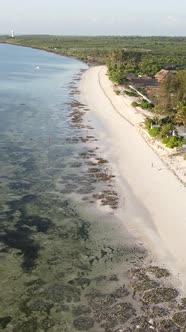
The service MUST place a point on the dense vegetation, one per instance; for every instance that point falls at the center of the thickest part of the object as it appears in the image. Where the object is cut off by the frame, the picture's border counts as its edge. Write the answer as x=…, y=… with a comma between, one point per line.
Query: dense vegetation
x=138, y=53
x=165, y=130
x=129, y=55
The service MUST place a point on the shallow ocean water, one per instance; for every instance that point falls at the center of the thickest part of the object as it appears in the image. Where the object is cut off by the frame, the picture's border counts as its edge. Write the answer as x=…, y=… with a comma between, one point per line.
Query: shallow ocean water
x=63, y=261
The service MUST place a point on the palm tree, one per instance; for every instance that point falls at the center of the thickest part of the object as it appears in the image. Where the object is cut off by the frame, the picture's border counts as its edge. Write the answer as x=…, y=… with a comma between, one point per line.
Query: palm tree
x=180, y=117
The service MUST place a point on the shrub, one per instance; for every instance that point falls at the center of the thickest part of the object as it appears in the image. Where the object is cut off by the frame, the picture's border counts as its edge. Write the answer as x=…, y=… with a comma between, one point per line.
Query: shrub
x=156, y=120
x=175, y=141
x=154, y=132
x=151, y=106
x=117, y=92
x=148, y=122
x=131, y=93
x=166, y=129
x=134, y=104
x=144, y=104
x=165, y=140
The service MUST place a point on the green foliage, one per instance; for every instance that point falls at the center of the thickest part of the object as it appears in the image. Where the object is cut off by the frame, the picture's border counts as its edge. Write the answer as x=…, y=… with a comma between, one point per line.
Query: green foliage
x=148, y=122
x=154, y=132
x=146, y=105
x=134, y=104
x=165, y=140
x=117, y=73
x=173, y=93
x=131, y=93
x=166, y=130
x=139, y=55
x=156, y=120
x=151, y=121
x=175, y=141
x=180, y=116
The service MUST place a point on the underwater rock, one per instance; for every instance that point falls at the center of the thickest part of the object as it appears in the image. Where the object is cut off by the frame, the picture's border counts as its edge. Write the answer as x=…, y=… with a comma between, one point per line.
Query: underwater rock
x=47, y=323
x=29, y=325
x=82, y=282
x=83, y=231
x=81, y=310
x=182, y=304
x=83, y=323
x=59, y=292
x=179, y=318
x=113, y=277
x=158, y=312
x=159, y=295
x=158, y=272
x=121, y=292
x=167, y=326
x=142, y=324
x=145, y=284
x=21, y=239
x=4, y=321
x=120, y=313
x=39, y=304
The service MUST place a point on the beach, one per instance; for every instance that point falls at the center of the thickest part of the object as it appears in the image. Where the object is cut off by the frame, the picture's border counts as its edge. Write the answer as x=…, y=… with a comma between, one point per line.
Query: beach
x=152, y=198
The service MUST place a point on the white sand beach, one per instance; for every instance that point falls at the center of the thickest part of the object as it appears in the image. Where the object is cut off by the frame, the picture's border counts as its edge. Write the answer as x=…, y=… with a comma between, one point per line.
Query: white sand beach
x=153, y=200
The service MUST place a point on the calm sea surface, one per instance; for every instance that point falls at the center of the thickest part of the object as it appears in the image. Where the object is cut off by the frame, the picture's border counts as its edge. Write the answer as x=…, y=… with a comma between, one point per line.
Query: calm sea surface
x=62, y=260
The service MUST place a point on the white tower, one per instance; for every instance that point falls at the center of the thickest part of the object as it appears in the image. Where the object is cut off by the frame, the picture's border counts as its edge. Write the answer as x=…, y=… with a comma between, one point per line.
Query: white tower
x=13, y=35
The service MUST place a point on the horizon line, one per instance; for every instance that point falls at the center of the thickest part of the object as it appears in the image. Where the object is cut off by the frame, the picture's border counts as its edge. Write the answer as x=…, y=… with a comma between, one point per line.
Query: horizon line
x=81, y=35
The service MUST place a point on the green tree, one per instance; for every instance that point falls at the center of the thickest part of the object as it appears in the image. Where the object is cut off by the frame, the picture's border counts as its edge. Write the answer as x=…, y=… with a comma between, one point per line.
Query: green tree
x=180, y=117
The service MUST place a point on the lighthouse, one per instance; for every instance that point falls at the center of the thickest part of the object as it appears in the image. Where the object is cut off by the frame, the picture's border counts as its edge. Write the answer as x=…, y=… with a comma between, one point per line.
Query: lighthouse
x=13, y=35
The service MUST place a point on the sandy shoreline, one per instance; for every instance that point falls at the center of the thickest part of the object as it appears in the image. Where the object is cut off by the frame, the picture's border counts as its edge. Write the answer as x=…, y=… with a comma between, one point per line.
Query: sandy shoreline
x=152, y=199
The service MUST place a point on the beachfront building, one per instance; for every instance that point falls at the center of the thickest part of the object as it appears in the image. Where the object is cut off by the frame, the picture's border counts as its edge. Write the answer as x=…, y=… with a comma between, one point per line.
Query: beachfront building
x=161, y=75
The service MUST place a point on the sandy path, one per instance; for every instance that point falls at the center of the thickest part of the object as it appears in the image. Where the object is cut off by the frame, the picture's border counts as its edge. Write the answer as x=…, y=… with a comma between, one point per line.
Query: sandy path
x=153, y=201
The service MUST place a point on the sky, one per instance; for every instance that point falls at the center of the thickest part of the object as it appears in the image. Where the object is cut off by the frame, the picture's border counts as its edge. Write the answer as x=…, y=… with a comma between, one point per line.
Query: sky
x=94, y=17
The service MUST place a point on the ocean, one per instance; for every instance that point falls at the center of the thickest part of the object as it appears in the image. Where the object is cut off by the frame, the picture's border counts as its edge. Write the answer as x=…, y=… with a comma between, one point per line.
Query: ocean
x=64, y=256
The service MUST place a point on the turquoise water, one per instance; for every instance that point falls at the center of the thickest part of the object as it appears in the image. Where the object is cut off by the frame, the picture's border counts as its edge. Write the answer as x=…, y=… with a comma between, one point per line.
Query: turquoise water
x=62, y=260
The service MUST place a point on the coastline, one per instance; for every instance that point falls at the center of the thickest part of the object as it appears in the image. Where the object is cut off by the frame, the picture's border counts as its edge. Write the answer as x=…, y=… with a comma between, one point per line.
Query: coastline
x=53, y=51
x=94, y=271
x=152, y=204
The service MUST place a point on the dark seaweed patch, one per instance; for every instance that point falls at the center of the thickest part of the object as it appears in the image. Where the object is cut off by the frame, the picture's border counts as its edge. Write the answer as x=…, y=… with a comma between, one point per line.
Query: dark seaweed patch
x=42, y=224
x=30, y=325
x=83, y=323
x=82, y=282
x=167, y=326
x=39, y=305
x=19, y=186
x=21, y=239
x=4, y=321
x=59, y=292
x=29, y=165
x=81, y=310
x=83, y=231
x=18, y=204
